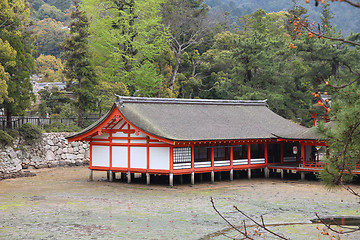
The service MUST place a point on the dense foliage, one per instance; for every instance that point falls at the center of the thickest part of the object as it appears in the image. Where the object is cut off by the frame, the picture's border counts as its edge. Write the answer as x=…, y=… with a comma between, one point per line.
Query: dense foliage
x=78, y=68
x=16, y=56
x=29, y=132
x=5, y=138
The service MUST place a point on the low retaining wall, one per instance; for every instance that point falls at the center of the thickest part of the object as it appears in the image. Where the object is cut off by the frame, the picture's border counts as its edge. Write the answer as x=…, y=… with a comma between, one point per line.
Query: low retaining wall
x=52, y=150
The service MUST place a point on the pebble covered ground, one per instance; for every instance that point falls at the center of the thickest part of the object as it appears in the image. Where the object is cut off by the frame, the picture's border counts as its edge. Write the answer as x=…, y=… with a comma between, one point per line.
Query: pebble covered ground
x=60, y=203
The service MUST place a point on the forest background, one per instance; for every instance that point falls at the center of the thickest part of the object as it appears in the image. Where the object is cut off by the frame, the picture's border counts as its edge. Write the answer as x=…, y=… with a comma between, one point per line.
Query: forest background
x=177, y=48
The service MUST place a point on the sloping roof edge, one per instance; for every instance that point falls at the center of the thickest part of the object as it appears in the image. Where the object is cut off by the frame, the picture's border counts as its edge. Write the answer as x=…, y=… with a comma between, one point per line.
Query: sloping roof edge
x=125, y=99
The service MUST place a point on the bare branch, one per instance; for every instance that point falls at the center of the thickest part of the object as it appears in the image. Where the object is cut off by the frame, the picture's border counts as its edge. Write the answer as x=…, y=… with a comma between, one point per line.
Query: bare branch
x=354, y=4
x=320, y=35
x=260, y=225
x=229, y=223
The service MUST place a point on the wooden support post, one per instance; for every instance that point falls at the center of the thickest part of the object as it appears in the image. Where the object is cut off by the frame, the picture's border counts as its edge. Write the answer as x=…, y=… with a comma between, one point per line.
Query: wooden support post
x=192, y=178
x=108, y=175
x=128, y=177
x=282, y=173
x=91, y=175
x=171, y=180
x=249, y=173
x=111, y=176
x=181, y=179
x=212, y=177
x=232, y=175
x=148, y=178
x=237, y=174
x=267, y=172
x=219, y=176
x=201, y=177
x=302, y=174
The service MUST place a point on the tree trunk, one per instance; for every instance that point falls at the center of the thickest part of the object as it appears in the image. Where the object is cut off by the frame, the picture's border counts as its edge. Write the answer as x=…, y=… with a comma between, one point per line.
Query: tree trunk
x=176, y=69
x=8, y=118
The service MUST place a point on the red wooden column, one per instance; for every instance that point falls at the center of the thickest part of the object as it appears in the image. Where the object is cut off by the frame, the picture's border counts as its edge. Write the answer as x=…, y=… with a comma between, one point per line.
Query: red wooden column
x=231, y=156
x=192, y=157
x=303, y=154
x=110, y=143
x=147, y=153
x=212, y=157
x=282, y=152
x=128, y=141
x=171, y=158
x=249, y=153
x=265, y=153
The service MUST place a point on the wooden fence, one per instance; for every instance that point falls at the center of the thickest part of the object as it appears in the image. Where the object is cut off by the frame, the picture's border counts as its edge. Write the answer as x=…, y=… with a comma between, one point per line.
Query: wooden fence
x=17, y=122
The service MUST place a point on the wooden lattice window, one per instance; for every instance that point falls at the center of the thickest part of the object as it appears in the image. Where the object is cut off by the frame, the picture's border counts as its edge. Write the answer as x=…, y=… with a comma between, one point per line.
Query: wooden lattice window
x=182, y=155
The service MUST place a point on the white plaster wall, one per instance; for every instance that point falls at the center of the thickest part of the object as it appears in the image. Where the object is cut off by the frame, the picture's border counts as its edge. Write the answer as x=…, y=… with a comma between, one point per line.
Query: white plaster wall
x=119, y=156
x=160, y=158
x=138, y=157
x=137, y=141
x=100, y=156
x=119, y=140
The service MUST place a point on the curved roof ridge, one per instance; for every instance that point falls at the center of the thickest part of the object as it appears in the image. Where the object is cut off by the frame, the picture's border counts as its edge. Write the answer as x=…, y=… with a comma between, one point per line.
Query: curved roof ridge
x=126, y=99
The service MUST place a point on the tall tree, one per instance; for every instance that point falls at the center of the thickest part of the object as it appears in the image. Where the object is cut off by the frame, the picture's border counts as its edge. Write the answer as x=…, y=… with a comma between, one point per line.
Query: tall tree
x=50, y=34
x=336, y=69
x=186, y=21
x=127, y=38
x=78, y=69
x=14, y=20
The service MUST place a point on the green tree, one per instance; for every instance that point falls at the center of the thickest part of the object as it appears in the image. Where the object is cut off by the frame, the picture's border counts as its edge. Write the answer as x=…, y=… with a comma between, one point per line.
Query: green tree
x=50, y=34
x=335, y=68
x=14, y=30
x=186, y=21
x=52, y=101
x=48, y=11
x=127, y=38
x=7, y=59
x=78, y=69
x=50, y=68
x=254, y=62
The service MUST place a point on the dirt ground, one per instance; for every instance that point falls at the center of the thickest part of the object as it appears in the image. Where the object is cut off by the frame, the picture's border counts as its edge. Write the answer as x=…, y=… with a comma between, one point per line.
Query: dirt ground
x=61, y=203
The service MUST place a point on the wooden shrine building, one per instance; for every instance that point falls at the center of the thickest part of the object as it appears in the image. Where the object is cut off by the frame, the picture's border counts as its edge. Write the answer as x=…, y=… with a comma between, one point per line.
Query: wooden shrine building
x=189, y=136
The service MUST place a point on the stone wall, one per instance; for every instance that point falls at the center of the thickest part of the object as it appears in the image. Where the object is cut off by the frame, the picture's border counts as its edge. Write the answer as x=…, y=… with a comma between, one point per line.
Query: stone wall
x=52, y=150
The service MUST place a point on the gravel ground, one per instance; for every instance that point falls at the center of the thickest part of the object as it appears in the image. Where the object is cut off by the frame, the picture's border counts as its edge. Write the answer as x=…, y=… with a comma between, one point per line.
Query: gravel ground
x=61, y=203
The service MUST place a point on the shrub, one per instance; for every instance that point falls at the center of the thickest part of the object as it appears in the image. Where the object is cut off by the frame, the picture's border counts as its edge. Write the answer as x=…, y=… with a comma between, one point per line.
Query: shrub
x=30, y=132
x=13, y=132
x=5, y=138
x=59, y=127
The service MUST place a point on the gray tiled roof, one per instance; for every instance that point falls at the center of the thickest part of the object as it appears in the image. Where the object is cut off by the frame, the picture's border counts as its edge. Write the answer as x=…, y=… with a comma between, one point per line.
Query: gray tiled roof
x=199, y=119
